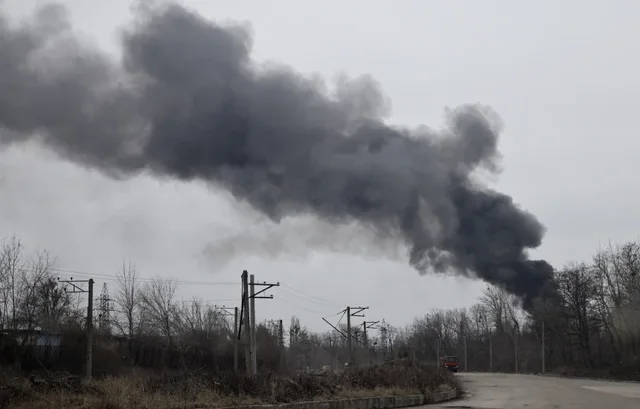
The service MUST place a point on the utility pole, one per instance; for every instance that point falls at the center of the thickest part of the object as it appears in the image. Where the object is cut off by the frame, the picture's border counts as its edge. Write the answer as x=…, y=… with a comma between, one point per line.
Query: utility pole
x=89, y=326
x=365, y=341
x=252, y=291
x=247, y=325
x=281, y=343
x=463, y=334
x=254, y=295
x=515, y=346
x=352, y=312
x=367, y=325
x=490, y=343
x=465, y=353
x=347, y=335
x=515, y=343
x=226, y=311
x=349, y=346
x=235, y=340
x=490, y=351
x=543, y=350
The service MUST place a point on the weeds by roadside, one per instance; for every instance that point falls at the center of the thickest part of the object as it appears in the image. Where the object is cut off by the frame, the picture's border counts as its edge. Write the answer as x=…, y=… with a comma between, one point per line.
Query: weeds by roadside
x=199, y=390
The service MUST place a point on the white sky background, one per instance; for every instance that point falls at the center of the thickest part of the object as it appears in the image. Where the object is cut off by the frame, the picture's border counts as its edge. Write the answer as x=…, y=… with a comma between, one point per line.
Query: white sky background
x=563, y=76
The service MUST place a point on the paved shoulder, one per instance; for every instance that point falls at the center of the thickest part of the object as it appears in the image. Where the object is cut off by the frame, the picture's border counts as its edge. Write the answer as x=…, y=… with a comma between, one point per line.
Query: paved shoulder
x=508, y=391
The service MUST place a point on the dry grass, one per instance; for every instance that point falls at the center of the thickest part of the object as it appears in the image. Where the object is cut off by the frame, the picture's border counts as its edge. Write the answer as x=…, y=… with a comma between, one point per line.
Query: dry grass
x=191, y=391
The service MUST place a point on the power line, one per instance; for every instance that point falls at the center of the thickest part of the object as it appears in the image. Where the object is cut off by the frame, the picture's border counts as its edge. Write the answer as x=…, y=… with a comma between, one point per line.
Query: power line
x=302, y=308
x=319, y=300
x=114, y=277
x=308, y=298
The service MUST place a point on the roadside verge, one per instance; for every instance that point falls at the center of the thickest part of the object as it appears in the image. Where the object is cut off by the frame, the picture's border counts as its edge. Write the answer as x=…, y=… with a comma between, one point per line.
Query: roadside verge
x=377, y=402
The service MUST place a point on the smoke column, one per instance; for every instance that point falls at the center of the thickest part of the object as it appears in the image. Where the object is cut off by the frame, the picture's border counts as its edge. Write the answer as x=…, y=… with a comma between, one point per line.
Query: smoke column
x=188, y=102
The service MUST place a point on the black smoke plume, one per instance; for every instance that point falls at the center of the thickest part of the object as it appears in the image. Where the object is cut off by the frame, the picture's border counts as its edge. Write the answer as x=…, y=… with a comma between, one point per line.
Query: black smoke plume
x=188, y=102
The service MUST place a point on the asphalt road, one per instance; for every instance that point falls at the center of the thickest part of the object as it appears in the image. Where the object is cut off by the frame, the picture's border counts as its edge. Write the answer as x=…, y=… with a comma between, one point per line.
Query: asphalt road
x=508, y=391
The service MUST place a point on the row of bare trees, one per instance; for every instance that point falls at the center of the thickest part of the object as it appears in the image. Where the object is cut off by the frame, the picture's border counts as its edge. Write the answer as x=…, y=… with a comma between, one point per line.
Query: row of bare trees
x=146, y=308
x=32, y=299
x=29, y=295
x=595, y=325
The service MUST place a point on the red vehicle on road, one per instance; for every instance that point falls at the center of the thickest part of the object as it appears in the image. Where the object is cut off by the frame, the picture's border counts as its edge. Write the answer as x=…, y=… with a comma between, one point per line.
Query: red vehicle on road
x=450, y=362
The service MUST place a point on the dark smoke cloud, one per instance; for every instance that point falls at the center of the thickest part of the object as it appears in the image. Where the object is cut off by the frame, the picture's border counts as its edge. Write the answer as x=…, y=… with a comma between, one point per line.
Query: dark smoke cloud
x=188, y=102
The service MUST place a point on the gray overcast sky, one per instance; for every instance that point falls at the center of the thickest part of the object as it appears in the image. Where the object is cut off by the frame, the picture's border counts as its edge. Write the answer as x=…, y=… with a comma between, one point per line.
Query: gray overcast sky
x=562, y=75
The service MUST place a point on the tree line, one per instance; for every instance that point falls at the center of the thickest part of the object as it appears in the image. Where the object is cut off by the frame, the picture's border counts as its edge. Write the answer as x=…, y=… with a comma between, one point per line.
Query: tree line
x=594, y=327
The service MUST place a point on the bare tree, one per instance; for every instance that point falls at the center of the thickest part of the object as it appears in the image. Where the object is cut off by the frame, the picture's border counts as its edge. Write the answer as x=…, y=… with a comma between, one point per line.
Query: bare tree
x=31, y=280
x=127, y=298
x=13, y=265
x=54, y=309
x=495, y=303
x=159, y=307
x=200, y=324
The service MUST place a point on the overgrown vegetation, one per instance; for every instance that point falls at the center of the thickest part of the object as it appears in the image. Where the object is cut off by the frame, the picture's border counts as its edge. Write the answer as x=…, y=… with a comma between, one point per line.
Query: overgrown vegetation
x=140, y=323
x=201, y=390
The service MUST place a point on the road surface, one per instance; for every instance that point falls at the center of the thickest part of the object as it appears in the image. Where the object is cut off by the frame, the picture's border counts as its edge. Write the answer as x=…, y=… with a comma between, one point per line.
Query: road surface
x=508, y=391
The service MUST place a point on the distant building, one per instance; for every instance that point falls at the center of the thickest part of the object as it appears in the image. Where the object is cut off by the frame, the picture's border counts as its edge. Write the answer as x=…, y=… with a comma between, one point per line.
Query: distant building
x=30, y=337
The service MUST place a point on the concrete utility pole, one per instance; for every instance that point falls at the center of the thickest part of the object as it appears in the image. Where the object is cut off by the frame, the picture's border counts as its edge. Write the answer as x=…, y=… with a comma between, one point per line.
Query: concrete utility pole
x=235, y=339
x=252, y=337
x=279, y=334
x=89, y=325
x=365, y=326
x=349, y=346
x=490, y=351
x=352, y=312
x=252, y=291
x=227, y=311
x=368, y=325
x=247, y=323
x=543, y=350
x=464, y=326
x=365, y=341
x=281, y=342
x=89, y=352
x=515, y=343
x=490, y=343
x=465, y=353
